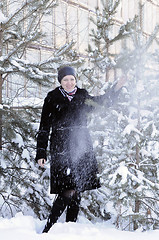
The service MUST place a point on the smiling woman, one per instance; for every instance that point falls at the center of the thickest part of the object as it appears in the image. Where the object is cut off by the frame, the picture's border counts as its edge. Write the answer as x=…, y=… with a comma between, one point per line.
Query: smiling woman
x=68, y=83
x=67, y=78
x=73, y=163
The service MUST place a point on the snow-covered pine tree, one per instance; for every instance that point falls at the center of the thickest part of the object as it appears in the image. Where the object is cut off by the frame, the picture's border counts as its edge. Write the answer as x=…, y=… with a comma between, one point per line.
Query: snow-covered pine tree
x=126, y=141
x=106, y=36
x=135, y=182
x=24, y=187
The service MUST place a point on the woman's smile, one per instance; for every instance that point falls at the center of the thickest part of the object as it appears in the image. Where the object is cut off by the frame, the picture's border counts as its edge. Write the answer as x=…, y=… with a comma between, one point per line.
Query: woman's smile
x=68, y=83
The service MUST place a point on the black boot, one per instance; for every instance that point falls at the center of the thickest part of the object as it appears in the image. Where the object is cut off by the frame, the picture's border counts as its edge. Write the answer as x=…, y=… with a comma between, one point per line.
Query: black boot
x=73, y=209
x=57, y=209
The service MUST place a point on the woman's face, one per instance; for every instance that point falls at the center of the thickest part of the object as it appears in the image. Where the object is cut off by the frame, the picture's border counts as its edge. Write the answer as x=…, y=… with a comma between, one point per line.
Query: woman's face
x=68, y=83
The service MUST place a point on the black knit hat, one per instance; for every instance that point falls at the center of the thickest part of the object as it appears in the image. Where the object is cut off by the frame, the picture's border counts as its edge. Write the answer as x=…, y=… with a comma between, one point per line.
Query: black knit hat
x=64, y=71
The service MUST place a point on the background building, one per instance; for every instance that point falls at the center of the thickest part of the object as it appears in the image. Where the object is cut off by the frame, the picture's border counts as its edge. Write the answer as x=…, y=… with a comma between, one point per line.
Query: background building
x=70, y=20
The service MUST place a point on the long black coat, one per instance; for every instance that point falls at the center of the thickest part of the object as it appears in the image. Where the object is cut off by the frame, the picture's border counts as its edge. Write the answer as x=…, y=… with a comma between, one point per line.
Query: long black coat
x=73, y=163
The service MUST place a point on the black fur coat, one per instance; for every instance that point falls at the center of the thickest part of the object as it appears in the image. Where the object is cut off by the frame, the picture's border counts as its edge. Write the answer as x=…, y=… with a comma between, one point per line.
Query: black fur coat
x=73, y=164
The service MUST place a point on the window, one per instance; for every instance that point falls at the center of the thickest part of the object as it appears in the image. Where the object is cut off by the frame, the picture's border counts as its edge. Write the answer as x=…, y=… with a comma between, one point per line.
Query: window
x=83, y=34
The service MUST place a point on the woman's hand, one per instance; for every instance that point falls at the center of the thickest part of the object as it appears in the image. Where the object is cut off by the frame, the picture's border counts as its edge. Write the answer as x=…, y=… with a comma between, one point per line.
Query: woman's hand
x=41, y=162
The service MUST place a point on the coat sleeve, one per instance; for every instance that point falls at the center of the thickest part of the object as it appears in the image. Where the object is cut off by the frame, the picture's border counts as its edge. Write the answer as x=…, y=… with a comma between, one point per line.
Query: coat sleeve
x=44, y=130
x=107, y=99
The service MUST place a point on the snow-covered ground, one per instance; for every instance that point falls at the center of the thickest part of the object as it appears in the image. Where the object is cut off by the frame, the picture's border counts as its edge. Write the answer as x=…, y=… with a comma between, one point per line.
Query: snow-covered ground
x=28, y=228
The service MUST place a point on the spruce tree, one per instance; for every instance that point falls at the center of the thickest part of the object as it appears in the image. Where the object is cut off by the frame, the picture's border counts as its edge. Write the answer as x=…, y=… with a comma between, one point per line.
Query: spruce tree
x=102, y=60
x=135, y=181
x=125, y=137
x=105, y=37
x=24, y=186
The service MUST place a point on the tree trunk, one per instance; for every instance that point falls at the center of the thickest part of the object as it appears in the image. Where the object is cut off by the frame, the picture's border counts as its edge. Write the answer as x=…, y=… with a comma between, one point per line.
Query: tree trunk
x=137, y=208
x=137, y=201
x=1, y=81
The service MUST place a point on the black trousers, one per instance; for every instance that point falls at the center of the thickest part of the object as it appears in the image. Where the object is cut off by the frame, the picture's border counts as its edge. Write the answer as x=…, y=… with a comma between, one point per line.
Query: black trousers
x=64, y=200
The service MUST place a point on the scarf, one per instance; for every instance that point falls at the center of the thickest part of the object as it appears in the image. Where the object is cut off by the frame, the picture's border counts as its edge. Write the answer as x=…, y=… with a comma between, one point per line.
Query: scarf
x=69, y=95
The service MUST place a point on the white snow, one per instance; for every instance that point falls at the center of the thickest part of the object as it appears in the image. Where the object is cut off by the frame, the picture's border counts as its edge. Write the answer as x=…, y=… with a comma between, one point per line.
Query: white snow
x=18, y=139
x=2, y=17
x=25, y=154
x=31, y=101
x=26, y=227
x=68, y=171
x=130, y=128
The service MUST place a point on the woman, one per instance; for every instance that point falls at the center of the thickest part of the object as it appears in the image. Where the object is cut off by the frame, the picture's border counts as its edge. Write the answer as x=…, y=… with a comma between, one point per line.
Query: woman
x=73, y=164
